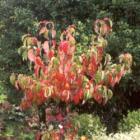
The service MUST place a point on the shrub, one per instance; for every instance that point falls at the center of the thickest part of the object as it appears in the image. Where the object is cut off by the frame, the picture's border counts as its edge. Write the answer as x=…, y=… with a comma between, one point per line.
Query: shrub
x=58, y=74
x=133, y=134
x=61, y=75
x=130, y=121
x=88, y=125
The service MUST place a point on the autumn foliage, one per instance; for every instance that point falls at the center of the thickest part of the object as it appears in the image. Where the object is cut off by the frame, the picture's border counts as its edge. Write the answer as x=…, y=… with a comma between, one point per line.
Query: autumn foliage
x=61, y=75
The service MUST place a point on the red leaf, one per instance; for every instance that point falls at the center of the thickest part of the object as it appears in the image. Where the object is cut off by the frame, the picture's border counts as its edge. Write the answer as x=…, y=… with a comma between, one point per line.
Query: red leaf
x=34, y=41
x=45, y=70
x=31, y=55
x=59, y=117
x=53, y=34
x=25, y=104
x=67, y=86
x=100, y=53
x=56, y=136
x=60, y=77
x=67, y=68
x=53, y=43
x=98, y=97
x=65, y=96
x=39, y=62
x=36, y=70
x=29, y=96
x=64, y=46
x=105, y=29
x=38, y=51
x=111, y=80
x=46, y=47
x=51, y=54
x=78, y=97
x=38, y=136
x=41, y=97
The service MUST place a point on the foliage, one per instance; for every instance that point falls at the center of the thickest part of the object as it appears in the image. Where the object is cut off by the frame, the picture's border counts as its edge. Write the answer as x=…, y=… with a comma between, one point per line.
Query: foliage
x=11, y=119
x=83, y=35
x=74, y=126
x=11, y=133
x=133, y=134
x=88, y=125
x=14, y=22
x=62, y=75
x=21, y=16
x=59, y=124
x=130, y=121
x=3, y=97
x=58, y=74
x=127, y=40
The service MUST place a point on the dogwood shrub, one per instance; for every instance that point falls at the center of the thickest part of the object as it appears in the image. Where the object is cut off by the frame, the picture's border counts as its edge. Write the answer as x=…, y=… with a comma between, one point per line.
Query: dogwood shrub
x=59, y=74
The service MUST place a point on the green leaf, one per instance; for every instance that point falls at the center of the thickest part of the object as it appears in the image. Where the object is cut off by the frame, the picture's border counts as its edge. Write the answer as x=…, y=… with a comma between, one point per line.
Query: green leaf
x=109, y=93
x=2, y=98
x=12, y=79
x=24, y=55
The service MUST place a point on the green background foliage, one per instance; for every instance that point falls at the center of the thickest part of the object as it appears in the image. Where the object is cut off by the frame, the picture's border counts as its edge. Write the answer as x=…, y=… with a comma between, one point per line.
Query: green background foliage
x=88, y=125
x=130, y=121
